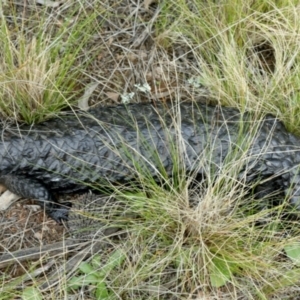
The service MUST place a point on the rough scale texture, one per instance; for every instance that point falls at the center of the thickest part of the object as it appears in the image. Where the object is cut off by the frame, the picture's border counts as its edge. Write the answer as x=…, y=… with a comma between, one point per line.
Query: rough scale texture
x=108, y=143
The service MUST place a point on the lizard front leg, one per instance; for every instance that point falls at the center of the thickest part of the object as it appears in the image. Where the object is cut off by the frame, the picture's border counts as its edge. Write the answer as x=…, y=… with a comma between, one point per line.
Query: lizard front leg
x=34, y=189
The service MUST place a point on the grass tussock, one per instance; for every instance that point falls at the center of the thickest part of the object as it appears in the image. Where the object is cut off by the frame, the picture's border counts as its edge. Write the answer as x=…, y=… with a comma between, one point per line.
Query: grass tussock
x=182, y=239
x=248, y=53
x=41, y=67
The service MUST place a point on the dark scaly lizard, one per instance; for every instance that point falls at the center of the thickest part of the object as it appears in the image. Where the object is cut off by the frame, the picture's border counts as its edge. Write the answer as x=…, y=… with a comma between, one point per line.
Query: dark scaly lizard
x=105, y=144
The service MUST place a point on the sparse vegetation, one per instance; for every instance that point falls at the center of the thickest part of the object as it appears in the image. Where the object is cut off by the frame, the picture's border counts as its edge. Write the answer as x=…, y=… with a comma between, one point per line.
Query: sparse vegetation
x=179, y=239
x=42, y=65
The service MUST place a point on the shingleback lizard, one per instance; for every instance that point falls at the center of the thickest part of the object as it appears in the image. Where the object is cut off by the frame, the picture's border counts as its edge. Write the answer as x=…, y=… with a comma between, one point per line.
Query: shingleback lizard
x=106, y=144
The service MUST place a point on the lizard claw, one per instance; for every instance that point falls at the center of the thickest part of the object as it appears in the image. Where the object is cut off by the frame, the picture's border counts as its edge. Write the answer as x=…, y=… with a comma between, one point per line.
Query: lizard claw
x=59, y=212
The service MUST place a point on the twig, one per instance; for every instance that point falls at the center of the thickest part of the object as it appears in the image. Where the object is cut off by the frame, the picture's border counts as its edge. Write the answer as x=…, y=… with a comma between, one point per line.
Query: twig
x=36, y=252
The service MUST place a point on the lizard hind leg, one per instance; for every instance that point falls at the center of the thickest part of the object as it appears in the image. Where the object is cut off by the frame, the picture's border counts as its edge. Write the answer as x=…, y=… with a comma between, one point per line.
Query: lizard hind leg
x=34, y=189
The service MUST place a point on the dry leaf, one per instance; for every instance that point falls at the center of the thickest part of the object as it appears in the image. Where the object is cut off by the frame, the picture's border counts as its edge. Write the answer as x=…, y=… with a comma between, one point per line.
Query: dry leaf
x=2, y=188
x=113, y=96
x=147, y=3
x=38, y=235
x=33, y=207
x=7, y=198
x=49, y=3
x=83, y=102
